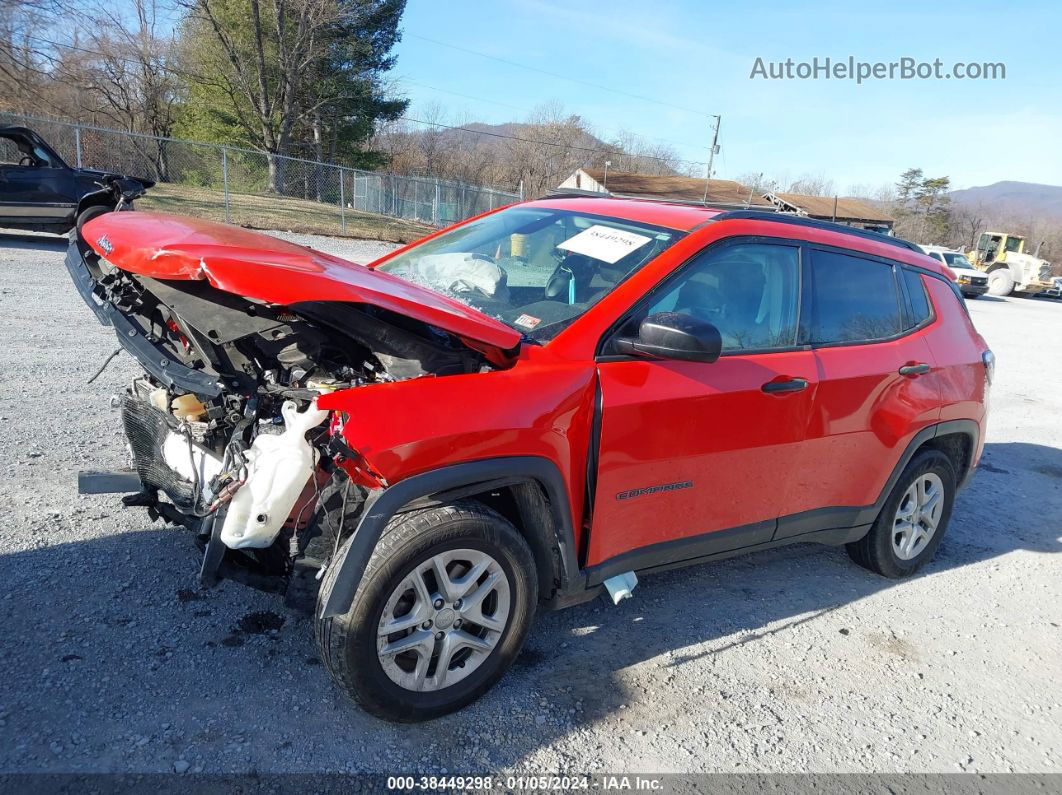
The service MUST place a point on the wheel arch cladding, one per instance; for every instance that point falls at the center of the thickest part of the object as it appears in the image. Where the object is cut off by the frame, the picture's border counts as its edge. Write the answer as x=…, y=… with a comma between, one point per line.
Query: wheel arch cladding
x=538, y=497
x=953, y=437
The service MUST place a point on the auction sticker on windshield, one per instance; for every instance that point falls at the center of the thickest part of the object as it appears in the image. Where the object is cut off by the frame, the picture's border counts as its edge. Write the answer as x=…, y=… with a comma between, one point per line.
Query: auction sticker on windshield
x=527, y=321
x=604, y=243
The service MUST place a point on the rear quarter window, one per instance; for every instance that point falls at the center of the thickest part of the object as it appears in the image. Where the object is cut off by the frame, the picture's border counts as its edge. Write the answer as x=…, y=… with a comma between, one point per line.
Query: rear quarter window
x=917, y=302
x=853, y=299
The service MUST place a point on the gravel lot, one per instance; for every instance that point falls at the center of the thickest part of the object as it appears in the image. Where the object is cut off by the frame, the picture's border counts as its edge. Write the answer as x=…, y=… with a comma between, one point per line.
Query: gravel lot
x=788, y=660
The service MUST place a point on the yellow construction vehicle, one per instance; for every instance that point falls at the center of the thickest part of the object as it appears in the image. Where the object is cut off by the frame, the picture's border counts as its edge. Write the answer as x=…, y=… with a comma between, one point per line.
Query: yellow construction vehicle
x=1010, y=270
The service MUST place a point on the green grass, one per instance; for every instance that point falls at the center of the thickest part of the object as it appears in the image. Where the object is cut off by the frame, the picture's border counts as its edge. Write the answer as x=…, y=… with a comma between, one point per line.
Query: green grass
x=280, y=213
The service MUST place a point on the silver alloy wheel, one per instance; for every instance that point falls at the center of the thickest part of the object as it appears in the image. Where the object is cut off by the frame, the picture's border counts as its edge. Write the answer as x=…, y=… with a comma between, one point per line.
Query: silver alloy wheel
x=443, y=620
x=917, y=516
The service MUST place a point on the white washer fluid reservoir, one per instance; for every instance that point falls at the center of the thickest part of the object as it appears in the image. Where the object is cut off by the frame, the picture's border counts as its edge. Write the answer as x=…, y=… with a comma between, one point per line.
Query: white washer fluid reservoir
x=279, y=466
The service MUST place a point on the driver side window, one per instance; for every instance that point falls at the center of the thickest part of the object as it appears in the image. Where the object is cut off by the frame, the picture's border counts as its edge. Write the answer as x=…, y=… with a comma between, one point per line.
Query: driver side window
x=746, y=290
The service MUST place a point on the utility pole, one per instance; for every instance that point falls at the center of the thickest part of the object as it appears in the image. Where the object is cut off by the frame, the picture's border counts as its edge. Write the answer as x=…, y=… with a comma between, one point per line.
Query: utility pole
x=711, y=155
x=604, y=184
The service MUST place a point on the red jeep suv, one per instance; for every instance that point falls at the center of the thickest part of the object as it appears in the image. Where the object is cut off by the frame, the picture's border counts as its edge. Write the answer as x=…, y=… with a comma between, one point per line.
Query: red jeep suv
x=527, y=409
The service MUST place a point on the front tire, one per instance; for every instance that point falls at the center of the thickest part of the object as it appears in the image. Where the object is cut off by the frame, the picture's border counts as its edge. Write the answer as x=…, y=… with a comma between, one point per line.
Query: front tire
x=1000, y=282
x=440, y=614
x=86, y=215
x=913, y=519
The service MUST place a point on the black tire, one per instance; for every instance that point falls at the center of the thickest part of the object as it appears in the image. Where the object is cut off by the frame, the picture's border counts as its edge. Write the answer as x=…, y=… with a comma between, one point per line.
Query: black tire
x=875, y=550
x=347, y=643
x=86, y=215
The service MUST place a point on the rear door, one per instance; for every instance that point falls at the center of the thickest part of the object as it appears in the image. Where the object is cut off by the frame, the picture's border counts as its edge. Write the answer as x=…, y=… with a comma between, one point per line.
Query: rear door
x=878, y=385
x=697, y=457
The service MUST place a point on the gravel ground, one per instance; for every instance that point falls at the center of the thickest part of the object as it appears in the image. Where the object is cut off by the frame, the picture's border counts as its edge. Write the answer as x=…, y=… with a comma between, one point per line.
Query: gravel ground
x=787, y=660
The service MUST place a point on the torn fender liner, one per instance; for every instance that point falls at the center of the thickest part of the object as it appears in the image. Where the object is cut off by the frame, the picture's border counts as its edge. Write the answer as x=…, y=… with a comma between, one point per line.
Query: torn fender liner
x=264, y=268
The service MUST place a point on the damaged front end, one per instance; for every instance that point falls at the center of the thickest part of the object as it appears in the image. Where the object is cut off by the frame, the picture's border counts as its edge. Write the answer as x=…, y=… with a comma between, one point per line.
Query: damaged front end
x=223, y=426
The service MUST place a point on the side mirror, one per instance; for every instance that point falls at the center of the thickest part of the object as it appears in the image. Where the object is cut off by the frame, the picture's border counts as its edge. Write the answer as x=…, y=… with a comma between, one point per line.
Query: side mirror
x=670, y=335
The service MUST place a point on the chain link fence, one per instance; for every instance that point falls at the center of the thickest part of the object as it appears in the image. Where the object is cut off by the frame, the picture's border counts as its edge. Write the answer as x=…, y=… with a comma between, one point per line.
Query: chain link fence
x=253, y=189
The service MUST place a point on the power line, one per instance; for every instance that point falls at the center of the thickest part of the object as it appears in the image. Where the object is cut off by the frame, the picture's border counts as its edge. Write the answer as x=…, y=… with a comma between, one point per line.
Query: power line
x=405, y=118
x=557, y=75
x=112, y=56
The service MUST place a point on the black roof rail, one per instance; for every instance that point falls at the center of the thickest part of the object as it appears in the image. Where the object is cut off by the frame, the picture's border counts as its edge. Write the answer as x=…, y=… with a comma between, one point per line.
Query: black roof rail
x=815, y=223
x=577, y=193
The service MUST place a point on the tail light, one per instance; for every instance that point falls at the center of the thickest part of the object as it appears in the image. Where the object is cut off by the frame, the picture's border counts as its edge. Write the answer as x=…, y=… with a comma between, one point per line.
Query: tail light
x=989, y=360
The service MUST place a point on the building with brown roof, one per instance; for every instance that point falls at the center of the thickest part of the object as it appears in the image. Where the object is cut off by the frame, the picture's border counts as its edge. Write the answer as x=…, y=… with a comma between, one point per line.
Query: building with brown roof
x=729, y=195
x=848, y=211
x=721, y=192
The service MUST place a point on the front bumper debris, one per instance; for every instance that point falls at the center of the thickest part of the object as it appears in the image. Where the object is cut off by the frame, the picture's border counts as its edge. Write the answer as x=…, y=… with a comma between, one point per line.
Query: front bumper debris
x=156, y=360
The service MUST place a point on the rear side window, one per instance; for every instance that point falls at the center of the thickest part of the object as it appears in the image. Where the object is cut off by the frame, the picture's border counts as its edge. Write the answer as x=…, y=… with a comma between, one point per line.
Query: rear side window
x=918, y=311
x=853, y=299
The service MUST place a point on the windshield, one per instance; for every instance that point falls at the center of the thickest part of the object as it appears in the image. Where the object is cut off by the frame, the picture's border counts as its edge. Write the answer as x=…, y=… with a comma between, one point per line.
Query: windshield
x=1014, y=243
x=956, y=260
x=532, y=268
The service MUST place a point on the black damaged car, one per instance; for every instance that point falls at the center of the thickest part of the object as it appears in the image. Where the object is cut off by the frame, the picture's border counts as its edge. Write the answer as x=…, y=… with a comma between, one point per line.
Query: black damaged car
x=41, y=193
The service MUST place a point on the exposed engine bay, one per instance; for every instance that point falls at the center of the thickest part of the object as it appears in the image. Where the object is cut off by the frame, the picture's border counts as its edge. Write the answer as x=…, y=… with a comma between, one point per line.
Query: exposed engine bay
x=223, y=427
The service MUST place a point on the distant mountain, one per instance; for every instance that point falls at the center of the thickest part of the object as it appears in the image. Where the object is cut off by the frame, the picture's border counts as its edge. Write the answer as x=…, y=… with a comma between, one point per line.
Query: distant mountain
x=1014, y=198
x=478, y=133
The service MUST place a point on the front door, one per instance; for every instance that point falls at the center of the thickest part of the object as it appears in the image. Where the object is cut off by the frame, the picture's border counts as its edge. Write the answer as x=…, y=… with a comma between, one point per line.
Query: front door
x=33, y=190
x=697, y=457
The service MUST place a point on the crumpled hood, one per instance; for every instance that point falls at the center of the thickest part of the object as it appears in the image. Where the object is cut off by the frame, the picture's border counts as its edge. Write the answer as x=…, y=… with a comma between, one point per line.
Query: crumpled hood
x=264, y=268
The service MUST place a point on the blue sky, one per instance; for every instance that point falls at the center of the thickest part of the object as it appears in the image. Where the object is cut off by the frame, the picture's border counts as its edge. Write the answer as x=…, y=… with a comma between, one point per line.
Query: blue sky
x=699, y=55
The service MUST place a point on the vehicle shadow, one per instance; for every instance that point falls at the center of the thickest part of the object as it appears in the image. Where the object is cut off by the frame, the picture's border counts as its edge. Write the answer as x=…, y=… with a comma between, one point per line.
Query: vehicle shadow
x=109, y=641
x=32, y=242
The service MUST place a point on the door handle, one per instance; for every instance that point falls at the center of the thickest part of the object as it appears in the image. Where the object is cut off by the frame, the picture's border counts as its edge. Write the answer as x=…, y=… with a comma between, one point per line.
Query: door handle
x=789, y=385
x=914, y=369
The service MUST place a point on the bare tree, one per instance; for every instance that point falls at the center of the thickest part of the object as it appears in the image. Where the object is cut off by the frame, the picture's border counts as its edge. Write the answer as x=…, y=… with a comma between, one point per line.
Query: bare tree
x=966, y=223
x=23, y=57
x=125, y=71
x=759, y=183
x=813, y=185
x=642, y=156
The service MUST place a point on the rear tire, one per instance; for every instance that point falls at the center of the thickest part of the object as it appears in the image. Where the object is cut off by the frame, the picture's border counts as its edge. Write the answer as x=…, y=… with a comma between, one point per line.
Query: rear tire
x=400, y=584
x=885, y=548
x=1000, y=282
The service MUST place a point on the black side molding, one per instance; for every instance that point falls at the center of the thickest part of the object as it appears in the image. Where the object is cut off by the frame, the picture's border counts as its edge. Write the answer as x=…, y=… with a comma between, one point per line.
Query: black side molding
x=388, y=502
